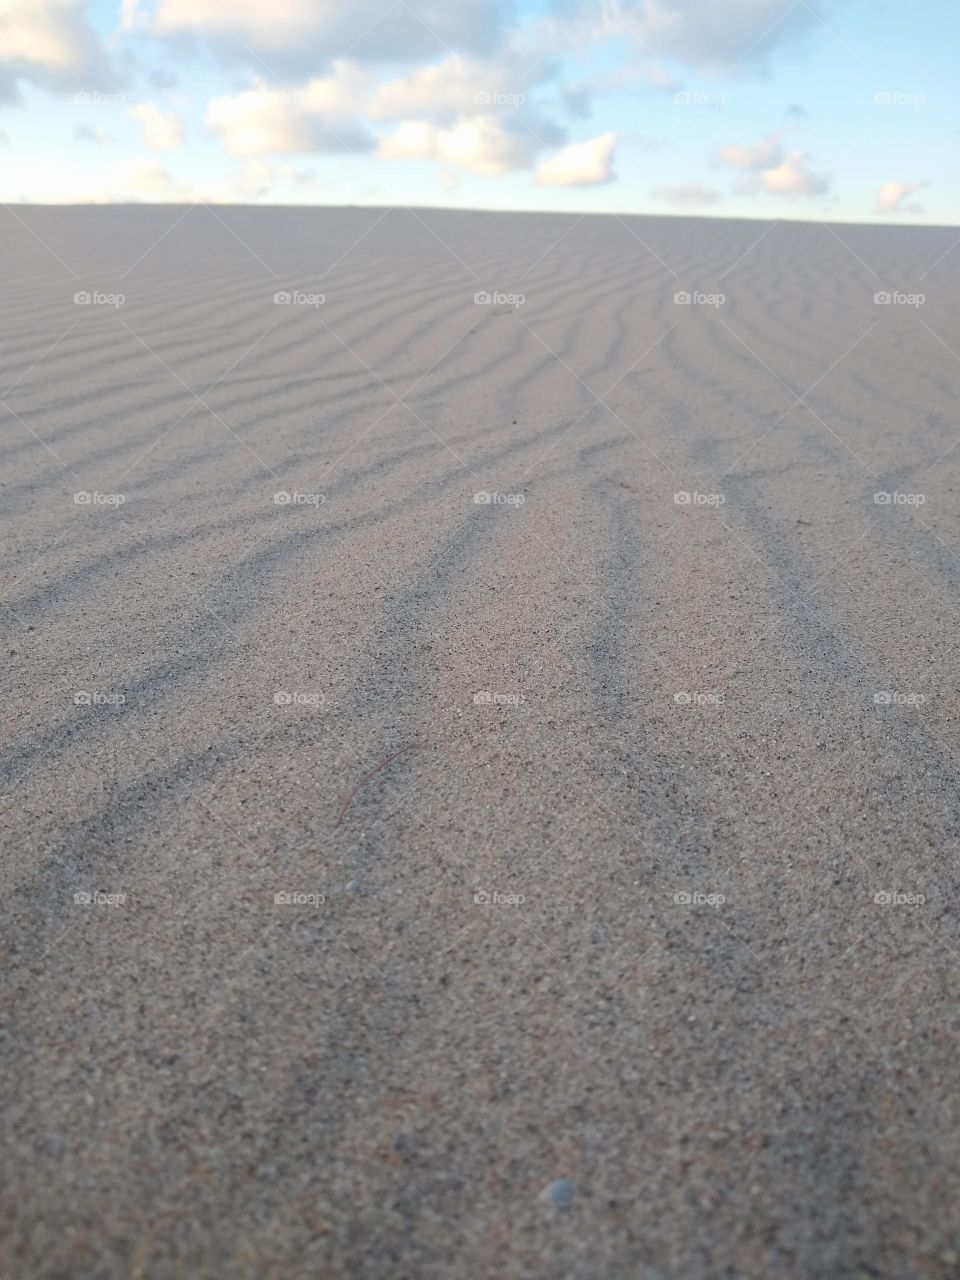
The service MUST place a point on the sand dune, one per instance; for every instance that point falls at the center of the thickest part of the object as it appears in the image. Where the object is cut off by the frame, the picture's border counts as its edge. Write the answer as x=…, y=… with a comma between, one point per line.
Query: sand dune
x=596, y=714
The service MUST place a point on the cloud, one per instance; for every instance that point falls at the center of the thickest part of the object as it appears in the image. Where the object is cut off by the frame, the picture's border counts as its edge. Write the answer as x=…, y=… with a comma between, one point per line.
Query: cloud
x=129, y=14
x=148, y=181
x=133, y=181
x=583, y=164
x=457, y=86
x=443, y=93
x=577, y=99
x=690, y=193
x=324, y=114
x=145, y=179
x=318, y=117
x=252, y=181
x=414, y=140
x=487, y=147
x=462, y=112
x=301, y=31
x=707, y=34
x=51, y=44
x=163, y=131
x=764, y=154
x=483, y=145
x=767, y=167
x=793, y=178
x=891, y=197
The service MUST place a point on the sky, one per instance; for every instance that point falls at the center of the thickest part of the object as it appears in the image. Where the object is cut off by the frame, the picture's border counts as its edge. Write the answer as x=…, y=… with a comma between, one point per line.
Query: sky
x=840, y=110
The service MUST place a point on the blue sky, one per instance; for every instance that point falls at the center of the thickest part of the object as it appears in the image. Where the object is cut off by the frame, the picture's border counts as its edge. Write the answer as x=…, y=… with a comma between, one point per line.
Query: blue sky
x=818, y=109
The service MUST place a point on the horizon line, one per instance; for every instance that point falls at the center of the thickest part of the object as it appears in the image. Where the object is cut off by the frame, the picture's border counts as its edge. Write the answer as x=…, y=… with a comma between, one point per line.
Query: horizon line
x=432, y=208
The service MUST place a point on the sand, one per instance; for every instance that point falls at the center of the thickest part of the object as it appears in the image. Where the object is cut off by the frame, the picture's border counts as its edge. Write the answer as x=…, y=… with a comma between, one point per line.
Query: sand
x=555, y=885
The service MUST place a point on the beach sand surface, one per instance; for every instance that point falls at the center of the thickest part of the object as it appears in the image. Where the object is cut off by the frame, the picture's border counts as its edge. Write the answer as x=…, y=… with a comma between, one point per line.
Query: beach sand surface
x=480, y=778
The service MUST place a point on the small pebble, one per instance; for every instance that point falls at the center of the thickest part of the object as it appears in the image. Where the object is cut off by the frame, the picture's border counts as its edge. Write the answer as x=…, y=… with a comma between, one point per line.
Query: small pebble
x=559, y=1193
x=353, y=886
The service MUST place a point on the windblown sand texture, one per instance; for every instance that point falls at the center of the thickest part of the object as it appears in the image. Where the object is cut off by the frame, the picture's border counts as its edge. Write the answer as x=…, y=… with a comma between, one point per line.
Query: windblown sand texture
x=759, y=1082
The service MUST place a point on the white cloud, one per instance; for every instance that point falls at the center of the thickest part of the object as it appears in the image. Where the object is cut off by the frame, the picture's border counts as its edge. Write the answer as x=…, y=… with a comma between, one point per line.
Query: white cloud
x=891, y=197
x=456, y=86
x=709, y=34
x=163, y=131
x=767, y=167
x=303, y=30
x=414, y=140
x=765, y=154
x=152, y=182
x=689, y=193
x=323, y=114
x=252, y=180
x=318, y=117
x=52, y=44
x=148, y=180
x=462, y=112
x=793, y=177
x=486, y=147
x=482, y=145
x=129, y=182
x=129, y=14
x=583, y=164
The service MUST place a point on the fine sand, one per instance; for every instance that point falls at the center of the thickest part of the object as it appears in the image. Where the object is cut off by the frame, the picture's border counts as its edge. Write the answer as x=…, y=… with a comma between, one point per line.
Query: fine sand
x=702, y=1022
